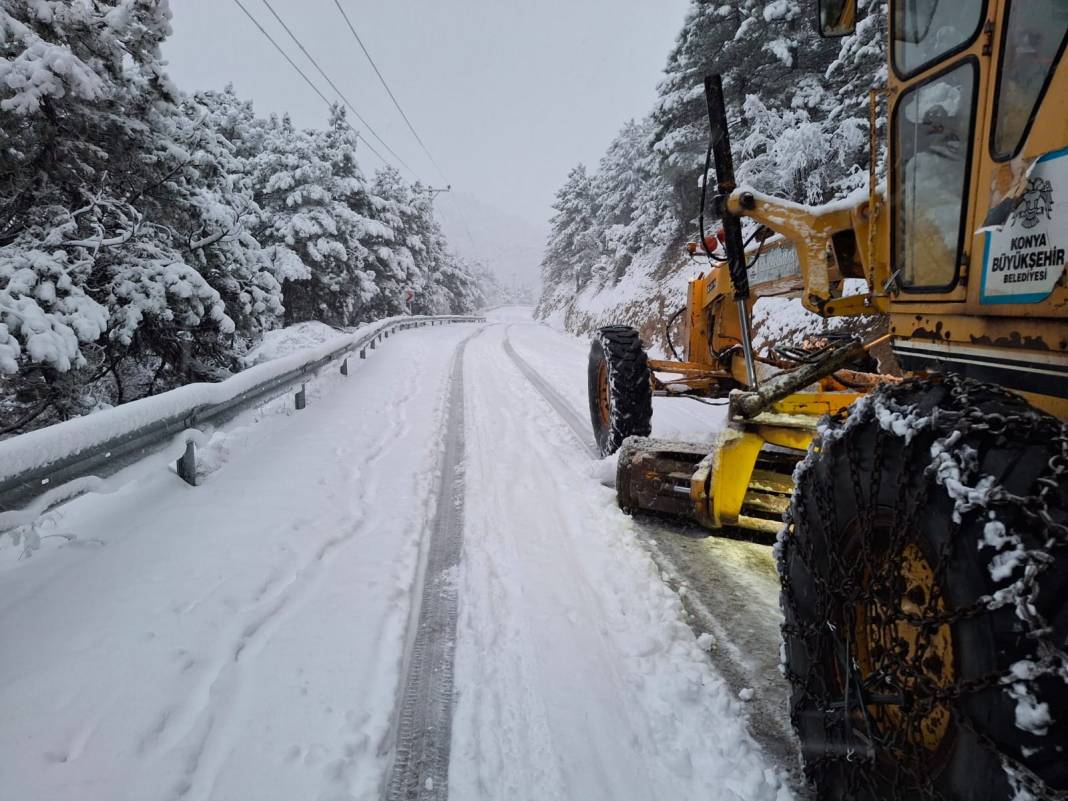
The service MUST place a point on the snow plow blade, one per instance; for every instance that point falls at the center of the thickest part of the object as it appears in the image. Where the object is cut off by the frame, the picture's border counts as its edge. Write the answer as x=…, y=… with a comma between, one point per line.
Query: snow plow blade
x=742, y=481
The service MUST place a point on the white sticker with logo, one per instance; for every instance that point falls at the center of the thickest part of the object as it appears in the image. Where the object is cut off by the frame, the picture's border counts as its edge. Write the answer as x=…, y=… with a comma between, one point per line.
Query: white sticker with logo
x=1024, y=260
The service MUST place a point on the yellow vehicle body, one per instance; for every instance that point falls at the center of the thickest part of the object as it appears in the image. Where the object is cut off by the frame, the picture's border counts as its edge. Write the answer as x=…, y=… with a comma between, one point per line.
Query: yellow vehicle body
x=944, y=314
x=906, y=680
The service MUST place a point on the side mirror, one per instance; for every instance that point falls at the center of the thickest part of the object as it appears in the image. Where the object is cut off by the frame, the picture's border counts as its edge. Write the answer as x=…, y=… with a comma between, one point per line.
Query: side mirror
x=837, y=18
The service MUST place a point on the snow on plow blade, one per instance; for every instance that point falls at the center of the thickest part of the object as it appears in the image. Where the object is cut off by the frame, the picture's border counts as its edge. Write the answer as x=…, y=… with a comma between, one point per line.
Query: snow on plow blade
x=741, y=481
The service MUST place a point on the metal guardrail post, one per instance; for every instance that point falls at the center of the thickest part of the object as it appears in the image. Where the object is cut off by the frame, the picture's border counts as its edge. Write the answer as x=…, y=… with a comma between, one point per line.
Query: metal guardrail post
x=302, y=397
x=187, y=465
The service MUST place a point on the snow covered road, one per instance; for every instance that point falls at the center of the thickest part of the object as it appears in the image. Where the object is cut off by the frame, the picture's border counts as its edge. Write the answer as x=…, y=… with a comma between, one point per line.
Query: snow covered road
x=250, y=639
x=729, y=587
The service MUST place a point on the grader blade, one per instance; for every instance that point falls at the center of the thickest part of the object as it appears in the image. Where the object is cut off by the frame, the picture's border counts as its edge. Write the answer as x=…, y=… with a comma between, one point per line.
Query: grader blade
x=655, y=476
x=738, y=483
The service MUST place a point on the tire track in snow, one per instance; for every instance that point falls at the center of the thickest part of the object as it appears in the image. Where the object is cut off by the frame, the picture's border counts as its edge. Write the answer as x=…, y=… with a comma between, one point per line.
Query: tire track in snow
x=574, y=422
x=715, y=598
x=535, y=747
x=420, y=767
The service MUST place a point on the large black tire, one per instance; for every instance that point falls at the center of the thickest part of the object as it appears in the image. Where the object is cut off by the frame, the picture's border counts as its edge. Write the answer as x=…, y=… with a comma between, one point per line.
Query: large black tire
x=933, y=513
x=620, y=387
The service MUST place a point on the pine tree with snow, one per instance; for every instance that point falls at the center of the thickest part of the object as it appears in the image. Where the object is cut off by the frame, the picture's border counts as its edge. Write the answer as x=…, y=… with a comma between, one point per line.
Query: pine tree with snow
x=402, y=263
x=299, y=223
x=148, y=238
x=765, y=48
x=798, y=110
x=451, y=286
x=223, y=213
x=91, y=132
x=633, y=208
x=573, y=245
x=860, y=65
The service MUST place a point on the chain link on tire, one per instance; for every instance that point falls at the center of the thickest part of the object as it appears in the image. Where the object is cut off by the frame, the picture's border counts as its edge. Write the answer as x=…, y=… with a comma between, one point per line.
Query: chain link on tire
x=924, y=566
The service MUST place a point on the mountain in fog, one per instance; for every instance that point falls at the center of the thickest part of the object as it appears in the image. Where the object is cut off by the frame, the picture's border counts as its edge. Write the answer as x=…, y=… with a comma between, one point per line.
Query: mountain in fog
x=509, y=246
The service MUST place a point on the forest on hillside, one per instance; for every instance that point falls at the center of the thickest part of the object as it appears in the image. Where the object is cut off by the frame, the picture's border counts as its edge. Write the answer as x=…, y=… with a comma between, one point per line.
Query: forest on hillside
x=149, y=236
x=798, y=105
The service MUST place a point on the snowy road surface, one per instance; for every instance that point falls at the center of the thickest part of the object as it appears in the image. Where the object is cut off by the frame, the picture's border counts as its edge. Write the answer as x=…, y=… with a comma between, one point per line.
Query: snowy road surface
x=252, y=638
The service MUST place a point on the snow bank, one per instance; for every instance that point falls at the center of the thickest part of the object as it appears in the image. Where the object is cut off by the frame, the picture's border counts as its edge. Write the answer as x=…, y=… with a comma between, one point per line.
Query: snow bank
x=54, y=444
x=652, y=289
x=284, y=341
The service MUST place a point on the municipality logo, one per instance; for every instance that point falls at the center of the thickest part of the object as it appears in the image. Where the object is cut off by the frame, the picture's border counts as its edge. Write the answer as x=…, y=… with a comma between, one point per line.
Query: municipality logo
x=1037, y=202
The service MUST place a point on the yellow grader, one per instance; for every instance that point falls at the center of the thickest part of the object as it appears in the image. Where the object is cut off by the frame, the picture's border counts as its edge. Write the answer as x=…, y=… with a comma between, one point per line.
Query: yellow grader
x=921, y=523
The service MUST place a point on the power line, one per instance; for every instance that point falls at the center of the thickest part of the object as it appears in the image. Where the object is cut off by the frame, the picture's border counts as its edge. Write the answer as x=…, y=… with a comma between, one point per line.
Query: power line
x=385, y=84
x=388, y=90
x=463, y=220
x=285, y=55
x=295, y=66
x=334, y=87
x=307, y=80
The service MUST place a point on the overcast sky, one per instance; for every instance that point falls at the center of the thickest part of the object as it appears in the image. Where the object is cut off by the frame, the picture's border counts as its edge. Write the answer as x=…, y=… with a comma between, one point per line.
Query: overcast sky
x=507, y=95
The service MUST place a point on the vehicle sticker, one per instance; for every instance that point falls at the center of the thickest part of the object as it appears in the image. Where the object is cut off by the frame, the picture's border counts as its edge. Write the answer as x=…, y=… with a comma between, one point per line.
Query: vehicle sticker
x=1024, y=259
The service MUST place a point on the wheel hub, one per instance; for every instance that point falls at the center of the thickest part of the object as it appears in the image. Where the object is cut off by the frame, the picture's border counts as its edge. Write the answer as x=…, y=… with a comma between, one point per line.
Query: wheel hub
x=603, y=394
x=903, y=653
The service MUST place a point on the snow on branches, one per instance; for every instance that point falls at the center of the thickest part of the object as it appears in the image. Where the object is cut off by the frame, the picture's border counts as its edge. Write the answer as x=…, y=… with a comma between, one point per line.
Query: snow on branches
x=45, y=313
x=799, y=125
x=149, y=238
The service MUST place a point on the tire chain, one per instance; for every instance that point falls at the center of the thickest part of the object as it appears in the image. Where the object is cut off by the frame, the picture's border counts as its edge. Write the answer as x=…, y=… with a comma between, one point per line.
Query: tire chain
x=908, y=781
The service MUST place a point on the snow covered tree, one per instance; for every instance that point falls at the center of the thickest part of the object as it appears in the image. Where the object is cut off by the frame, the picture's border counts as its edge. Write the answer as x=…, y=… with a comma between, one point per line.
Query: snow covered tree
x=306, y=222
x=451, y=286
x=604, y=221
x=798, y=110
x=357, y=284
x=399, y=260
x=148, y=238
x=573, y=244
x=89, y=120
x=860, y=65
x=220, y=203
x=418, y=258
x=766, y=48
x=632, y=200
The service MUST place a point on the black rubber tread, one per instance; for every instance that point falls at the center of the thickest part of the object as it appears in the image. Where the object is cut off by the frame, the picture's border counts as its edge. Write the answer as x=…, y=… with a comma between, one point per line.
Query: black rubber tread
x=630, y=387
x=820, y=573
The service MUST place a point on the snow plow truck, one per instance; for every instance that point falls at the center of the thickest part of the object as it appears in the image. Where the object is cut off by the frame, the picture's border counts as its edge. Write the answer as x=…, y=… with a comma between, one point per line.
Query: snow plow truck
x=921, y=521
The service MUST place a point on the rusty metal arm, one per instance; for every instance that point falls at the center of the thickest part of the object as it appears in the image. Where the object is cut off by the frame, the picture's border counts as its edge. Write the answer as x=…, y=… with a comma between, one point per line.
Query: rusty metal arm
x=812, y=229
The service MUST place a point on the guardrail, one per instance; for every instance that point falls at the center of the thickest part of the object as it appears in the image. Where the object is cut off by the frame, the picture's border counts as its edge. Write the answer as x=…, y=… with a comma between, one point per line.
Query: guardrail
x=40, y=469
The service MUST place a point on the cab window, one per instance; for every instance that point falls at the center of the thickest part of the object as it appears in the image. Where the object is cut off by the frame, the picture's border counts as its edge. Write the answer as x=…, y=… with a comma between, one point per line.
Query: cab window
x=932, y=134
x=1034, y=35
x=925, y=31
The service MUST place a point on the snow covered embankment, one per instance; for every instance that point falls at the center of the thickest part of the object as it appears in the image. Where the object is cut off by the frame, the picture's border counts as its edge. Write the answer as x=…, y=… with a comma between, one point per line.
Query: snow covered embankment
x=654, y=288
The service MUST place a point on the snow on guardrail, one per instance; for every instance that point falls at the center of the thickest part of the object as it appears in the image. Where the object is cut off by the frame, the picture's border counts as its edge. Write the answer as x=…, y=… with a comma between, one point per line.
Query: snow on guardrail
x=42, y=468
